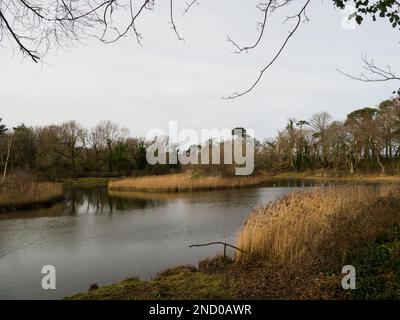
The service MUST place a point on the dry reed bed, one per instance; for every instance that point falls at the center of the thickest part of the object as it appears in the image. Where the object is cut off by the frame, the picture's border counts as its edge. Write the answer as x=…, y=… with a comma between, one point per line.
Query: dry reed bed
x=19, y=196
x=183, y=182
x=319, y=226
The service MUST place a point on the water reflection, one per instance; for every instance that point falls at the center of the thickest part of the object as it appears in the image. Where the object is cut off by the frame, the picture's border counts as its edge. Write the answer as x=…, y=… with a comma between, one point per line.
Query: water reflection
x=100, y=201
x=97, y=200
x=56, y=210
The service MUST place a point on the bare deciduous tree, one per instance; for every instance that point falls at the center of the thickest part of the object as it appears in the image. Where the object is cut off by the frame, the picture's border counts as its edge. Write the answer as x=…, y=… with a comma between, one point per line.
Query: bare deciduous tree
x=69, y=137
x=109, y=133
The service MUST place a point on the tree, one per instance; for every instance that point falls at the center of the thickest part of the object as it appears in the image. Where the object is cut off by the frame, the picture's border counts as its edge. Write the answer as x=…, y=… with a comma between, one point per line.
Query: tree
x=3, y=128
x=34, y=26
x=69, y=138
x=339, y=153
x=140, y=155
x=320, y=122
x=362, y=124
x=24, y=147
x=4, y=160
x=9, y=145
x=388, y=122
x=303, y=146
x=48, y=161
x=96, y=143
x=388, y=9
x=109, y=133
x=121, y=149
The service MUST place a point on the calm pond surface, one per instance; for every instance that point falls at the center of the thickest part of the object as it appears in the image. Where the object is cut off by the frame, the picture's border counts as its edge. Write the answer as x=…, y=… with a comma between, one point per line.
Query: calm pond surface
x=100, y=237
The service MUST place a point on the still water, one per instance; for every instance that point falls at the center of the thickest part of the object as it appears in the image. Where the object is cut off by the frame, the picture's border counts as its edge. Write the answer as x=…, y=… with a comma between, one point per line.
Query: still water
x=101, y=237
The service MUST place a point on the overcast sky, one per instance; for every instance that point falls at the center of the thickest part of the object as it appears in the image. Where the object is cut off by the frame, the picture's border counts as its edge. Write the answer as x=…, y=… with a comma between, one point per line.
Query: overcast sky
x=144, y=88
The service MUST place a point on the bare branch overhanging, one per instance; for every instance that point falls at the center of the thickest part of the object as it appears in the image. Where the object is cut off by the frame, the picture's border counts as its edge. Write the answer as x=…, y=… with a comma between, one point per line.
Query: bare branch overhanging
x=34, y=26
x=299, y=16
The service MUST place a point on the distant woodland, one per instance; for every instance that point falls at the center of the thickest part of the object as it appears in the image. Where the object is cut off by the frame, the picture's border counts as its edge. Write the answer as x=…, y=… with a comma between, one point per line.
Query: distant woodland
x=367, y=141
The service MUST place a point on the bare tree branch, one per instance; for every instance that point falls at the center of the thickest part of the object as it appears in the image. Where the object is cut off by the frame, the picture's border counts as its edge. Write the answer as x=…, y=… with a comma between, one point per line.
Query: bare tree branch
x=34, y=56
x=298, y=17
x=263, y=24
x=35, y=26
x=266, y=8
x=189, y=6
x=172, y=22
x=372, y=72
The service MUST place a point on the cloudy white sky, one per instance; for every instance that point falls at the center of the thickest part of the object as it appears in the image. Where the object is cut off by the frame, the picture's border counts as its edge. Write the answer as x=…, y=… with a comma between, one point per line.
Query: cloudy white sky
x=144, y=88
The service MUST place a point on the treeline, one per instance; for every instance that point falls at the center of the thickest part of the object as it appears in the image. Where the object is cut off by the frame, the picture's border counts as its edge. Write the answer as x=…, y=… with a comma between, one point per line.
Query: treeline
x=368, y=140
x=69, y=150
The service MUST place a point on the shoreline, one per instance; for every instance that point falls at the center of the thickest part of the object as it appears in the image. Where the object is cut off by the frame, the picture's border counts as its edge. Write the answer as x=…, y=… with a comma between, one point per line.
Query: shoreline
x=216, y=278
x=33, y=205
x=350, y=178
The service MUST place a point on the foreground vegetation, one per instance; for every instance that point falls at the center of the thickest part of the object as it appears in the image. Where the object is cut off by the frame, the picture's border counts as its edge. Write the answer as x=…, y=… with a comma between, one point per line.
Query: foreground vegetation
x=23, y=192
x=184, y=182
x=299, y=226
x=295, y=249
x=185, y=282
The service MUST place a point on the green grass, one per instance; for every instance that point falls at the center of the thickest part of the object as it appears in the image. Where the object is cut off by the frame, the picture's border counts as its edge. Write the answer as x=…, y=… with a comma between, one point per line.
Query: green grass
x=184, y=282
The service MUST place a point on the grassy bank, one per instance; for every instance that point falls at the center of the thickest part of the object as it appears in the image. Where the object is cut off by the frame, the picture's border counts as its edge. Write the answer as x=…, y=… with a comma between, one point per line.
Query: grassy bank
x=295, y=249
x=22, y=191
x=185, y=282
x=184, y=182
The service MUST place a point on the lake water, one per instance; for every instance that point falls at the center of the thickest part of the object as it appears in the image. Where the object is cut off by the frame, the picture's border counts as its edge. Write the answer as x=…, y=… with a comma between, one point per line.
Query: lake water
x=100, y=237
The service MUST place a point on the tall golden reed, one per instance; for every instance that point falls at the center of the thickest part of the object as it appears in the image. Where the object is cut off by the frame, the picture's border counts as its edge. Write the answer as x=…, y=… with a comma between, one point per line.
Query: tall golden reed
x=21, y=195
x=183, y=182
x=320, y=224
